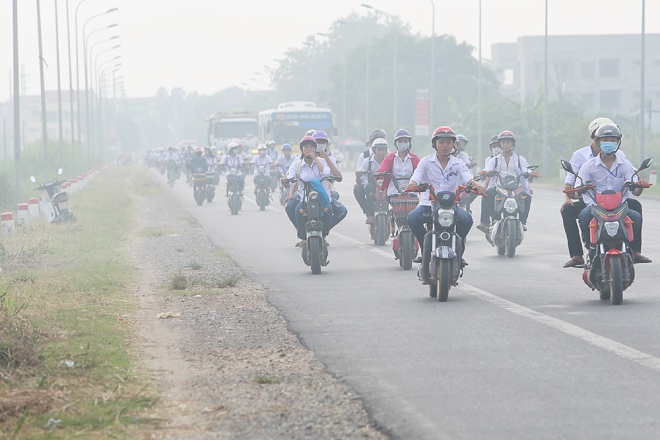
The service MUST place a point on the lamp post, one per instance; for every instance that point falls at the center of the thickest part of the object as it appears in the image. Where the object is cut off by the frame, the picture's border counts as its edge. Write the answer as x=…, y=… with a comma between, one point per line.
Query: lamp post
x=59, y=87
x=17, y=107
x=642, y=85
x=396, y=57
x=545, y=92
x=479, y=97
x=87, y=96
x=100, y=101
x=44, y=118
x=343, y=92
x=77, y=78
x=433, y=65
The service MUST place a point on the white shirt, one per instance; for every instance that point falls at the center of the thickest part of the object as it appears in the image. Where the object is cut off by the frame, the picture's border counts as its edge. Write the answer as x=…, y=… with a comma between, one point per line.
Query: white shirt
x=449, y=178
x=361, y=158
x=265, y=161
x=283, y=163
x=233, y=162
x=604, y=178
x=365, y=167
x=516, y=166
x=579, y=158
x=402, y=169
x=306, y=173
x=464, y=157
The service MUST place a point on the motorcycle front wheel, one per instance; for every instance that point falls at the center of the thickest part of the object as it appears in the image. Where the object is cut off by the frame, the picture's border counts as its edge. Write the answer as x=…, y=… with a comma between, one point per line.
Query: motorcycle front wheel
x=382, y=231
x=199, y=196
x=315, y=248
x=616, y=281
x=261, y=199
x=406, y=249
x=234, y=203
x=441, y=284
x=511, y=238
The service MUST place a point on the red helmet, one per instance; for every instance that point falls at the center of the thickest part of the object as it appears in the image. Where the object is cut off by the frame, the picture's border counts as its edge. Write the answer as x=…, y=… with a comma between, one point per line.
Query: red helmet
x=506, y=135
x=198, y=150
x=307, y=140
x=443, y=132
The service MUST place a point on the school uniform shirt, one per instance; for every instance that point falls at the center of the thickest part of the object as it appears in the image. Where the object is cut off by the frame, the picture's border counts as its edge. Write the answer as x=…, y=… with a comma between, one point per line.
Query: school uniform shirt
x=283, y=163
x=401, y=170
x=430, y=170
x=369, y=165
x=358, y=164
x=606, y=178
x=516, y=166
x=579, y=158
x=462, y=155
x=307, y=172
x=233, y=162
x=265, y=161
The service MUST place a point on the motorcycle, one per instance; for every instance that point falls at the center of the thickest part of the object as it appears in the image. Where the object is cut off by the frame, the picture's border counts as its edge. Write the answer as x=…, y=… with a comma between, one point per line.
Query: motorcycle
x=404, y=244
x=210, y=185
x=442, y=253
x=609, y=267
x=53, y=201
x=315, y=250
x=199, y=185
x=507, y=232
x=380, y=228
x=261, y=188
x=234, y=196
x=171, y=172
x=275, y=176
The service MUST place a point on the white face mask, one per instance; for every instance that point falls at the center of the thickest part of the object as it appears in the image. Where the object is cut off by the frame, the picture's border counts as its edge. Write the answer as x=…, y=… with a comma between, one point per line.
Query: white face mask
x=403, y=146
x=496, y=150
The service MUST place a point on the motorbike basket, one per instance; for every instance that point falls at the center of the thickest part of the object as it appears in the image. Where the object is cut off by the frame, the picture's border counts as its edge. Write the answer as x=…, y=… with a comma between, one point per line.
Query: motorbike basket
x=401, y=207
x=60, y=197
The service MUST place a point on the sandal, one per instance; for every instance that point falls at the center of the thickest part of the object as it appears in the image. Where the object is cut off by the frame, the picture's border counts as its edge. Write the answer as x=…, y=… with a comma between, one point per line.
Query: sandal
x=639, y=258
x=576, y=261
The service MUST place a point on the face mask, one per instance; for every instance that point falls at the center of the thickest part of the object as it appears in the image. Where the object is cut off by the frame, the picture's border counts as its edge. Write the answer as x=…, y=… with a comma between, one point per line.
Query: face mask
x=496, y=150
x=321, y=147
x=403, y=146
x=609, y=147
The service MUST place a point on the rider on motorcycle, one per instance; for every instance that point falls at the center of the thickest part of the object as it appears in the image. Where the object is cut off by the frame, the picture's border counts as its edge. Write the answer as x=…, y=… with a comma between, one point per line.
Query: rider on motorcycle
x=285, y=159
x=339, y=211
x=272, y=151
x=262, y=159
x=371, y=165
x=609, y=170
x=401, y=163
x=461, y=143
x=234, y=160
x=445, y=173
x=573, y=204
x=507, y=163
x=360, y=182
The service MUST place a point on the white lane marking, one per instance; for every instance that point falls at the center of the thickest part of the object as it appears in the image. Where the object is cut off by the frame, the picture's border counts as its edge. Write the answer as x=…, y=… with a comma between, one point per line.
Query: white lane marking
x=613, y=347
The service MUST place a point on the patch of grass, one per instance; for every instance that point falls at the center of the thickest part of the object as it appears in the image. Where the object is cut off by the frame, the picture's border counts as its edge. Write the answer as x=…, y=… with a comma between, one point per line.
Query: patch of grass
x=195, y=265
x=66, y=304
x=194, y=292
x=192, y=220
x=179, y=282
x=154, y=231
x=267, y=380
x=224, y=282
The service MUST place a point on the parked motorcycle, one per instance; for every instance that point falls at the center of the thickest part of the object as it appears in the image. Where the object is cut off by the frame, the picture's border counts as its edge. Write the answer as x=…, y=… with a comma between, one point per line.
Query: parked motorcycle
x=507, y=232
x=234, y=196
x=261, y=188
x=53, y=201
x=404, y=244
x=199, y=185
x=609, y=267
x=315, y=250
x=442, y=253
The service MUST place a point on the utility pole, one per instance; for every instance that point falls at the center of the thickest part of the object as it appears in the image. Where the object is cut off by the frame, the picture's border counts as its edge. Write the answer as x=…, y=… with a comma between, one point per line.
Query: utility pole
x=44, y=116
x=17, y=111
x=642, y=90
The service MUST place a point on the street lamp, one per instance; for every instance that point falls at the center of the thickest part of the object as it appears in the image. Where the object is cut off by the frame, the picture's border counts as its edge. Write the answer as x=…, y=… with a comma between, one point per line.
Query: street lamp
x=343, y=93
x=101, y=90
x=44, y=119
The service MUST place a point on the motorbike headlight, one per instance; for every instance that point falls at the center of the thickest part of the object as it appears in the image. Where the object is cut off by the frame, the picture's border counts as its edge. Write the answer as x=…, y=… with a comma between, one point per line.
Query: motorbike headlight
x=510, y=205
x=261, y=169
x=445, y=217
x=233, y=171
x=313, y=196
x=612, y=228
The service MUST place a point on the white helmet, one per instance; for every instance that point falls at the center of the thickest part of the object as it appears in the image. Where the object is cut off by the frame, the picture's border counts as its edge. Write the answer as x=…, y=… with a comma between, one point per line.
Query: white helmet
x=596, y=123
x=232, y=145
x=379, y=143
x=262, y=147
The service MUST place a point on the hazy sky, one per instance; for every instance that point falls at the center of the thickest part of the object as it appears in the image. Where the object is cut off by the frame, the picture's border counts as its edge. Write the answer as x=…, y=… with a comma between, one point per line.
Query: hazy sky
x=208, y=45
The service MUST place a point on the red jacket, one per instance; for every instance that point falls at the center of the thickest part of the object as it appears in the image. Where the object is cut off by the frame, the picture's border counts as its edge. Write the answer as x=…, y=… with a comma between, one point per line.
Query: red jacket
x=388, y=163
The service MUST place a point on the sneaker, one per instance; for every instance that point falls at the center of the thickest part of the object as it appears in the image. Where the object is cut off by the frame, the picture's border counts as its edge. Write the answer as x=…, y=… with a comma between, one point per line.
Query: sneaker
x=483, y=228
x=577, y=261
x=463, y=263
x=301, y=243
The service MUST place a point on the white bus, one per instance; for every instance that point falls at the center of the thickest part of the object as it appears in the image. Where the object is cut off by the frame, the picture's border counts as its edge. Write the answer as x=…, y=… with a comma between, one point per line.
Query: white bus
x=290, y=120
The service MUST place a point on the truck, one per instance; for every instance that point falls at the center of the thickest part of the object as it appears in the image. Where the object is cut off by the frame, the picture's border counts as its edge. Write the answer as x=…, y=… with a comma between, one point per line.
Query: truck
x=226, y=127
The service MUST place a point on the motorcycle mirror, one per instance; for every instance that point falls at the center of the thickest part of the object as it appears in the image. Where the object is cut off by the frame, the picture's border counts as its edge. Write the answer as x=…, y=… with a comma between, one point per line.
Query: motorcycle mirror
x=60, y=171
x=567, y=166
x=645, y=164
x=32, y=179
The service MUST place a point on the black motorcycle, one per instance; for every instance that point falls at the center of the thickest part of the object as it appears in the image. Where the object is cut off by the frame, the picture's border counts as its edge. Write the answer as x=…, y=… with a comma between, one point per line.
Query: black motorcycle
x=199, y=185
x=53, y=201
x=261, y=188
x=234, y=197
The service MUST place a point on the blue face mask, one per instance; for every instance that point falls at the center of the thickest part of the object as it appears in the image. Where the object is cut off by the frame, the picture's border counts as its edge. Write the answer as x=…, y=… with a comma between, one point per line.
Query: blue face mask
x=403, y=146
x=609, y=147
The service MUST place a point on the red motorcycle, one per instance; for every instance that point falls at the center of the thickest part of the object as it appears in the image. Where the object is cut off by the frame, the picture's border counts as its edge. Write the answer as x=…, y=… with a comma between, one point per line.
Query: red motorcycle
x=609, y=267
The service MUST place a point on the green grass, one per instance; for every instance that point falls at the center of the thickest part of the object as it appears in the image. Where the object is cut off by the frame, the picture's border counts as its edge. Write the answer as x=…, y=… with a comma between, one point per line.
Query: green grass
x=67, y=286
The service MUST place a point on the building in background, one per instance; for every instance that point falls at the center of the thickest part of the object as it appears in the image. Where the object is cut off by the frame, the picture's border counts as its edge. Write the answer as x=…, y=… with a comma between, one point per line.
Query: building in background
x=602, y=73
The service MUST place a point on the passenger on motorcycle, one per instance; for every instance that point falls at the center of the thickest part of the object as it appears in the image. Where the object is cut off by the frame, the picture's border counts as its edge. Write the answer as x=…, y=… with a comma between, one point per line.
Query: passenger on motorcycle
x=401, y=163
x=172, y=159
x=306, y=167
x=285, y=159
x=262, y=159
x=339, y=211
x=461, y=143
x=369, y=167
x=234, y=161
x=445, y=173
x=495, y=149
x=272, y=151
x=360, y=182
x=574, y=204
x=609, y=171
x=507, y=163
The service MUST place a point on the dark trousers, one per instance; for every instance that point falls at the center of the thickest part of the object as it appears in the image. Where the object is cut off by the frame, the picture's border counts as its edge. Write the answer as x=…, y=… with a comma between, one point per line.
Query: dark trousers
x=488, y=208
x=361, y=197
x=422, y=215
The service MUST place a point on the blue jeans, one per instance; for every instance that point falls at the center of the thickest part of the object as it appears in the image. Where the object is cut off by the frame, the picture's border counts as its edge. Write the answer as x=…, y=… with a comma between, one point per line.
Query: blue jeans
x=290, y=209
x=339, y=212
x=421, y=215
x=585, y=217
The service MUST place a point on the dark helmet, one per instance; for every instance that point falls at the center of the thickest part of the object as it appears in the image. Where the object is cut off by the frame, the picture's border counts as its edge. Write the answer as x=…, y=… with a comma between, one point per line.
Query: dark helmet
x=506, y=135
x=494, y=139
x=461, y=137
x=307, y=140
x=376, y=134
x=443, y=132
x=608, y=130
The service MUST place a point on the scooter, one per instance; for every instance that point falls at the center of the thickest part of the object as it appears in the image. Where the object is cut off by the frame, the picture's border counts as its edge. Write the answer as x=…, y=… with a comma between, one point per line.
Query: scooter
x=53, y=201
x=199, y=185
x=261, y=188
x=234, y=196
x=380, y=228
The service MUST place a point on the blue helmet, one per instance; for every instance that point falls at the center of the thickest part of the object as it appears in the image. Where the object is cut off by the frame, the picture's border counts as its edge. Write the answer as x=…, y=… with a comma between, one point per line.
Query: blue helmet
x=320, y=134
x=402, y=133
x=286, y=147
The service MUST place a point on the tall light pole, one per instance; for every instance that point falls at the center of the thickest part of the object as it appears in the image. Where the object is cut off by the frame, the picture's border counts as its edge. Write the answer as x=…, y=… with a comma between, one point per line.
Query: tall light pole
x=79, y=129
x=343, y=93
x=68, y=43
x=479, y=97
x=642, y=85
x=432, y=94
x=17, y=108
x=59, y=87
x=396, y=58
x=44, y=117
x=100, y=129
x=545, y=93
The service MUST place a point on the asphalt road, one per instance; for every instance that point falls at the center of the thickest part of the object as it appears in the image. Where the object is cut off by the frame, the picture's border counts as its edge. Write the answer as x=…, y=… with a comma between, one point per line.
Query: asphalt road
x=523, y=348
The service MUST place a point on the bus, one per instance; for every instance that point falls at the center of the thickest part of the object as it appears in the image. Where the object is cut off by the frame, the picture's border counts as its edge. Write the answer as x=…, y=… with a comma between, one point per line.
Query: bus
x=232, y=127
x=290, y=120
